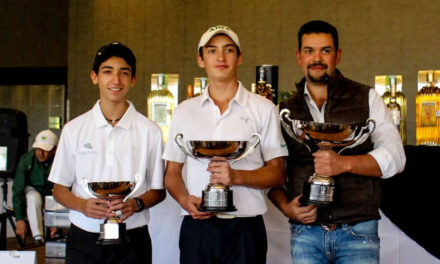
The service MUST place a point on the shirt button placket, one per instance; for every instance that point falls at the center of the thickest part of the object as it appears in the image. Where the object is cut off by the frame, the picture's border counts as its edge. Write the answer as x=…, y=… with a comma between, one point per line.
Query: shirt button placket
x=110, y=145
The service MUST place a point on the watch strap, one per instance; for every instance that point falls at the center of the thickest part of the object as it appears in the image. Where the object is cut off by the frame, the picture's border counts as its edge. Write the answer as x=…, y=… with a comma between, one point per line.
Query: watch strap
x=140, y=204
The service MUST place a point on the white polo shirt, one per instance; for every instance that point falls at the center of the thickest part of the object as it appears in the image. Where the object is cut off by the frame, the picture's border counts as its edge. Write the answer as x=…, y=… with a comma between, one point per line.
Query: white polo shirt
x=90, y=147
x=200, y=119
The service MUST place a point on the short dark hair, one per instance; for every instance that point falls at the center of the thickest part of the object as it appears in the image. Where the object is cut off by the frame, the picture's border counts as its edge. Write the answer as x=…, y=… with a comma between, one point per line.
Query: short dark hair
x=238, y=48
x=115, y=49
x=318, y=26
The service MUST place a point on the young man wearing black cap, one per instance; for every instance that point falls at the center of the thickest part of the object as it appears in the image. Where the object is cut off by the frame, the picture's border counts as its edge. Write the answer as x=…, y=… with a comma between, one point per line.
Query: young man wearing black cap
x=225, y=111
x=111, y=142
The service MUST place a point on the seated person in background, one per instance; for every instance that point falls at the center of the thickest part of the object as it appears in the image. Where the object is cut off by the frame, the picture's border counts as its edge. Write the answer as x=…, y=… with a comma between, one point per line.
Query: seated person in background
x=31, y=185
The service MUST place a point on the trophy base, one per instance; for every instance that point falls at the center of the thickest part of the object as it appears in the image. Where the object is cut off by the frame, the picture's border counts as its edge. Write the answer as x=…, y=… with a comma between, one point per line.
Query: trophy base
x=210, y=209
x=317, y=194
x=217, y=198
x=119, y=241
x=112, y=234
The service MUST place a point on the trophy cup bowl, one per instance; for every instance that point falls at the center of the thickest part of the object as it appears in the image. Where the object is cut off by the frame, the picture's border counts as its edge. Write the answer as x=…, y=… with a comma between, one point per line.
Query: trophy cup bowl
x=319, y=189
x=217, y=197
x=111, y=231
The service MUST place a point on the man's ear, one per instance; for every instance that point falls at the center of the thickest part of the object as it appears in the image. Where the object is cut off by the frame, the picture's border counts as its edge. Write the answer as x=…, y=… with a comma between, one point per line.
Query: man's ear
x=94, y=77
x=240, y=58
x=338, y=56
x=200, y=61
x=133, y=80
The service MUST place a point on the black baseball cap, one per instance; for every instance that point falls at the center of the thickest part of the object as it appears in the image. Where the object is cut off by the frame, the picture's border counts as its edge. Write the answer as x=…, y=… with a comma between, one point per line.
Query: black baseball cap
x=114, y=49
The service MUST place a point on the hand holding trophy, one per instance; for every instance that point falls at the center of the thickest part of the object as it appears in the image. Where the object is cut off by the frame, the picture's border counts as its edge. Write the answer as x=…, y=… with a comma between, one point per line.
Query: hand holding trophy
x=217, y=197
x=319, y=189
x=111, y=231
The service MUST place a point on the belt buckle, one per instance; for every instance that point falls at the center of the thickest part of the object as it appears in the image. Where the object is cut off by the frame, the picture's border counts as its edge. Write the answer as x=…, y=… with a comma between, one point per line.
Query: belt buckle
x=329, y=227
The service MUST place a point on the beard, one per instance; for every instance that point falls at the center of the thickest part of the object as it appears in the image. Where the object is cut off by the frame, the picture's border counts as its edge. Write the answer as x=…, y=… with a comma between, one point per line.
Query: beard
x=324, y=78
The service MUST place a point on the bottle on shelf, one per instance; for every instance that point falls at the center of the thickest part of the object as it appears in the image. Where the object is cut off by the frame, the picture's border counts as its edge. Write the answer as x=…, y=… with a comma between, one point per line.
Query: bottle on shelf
x=203, y=84
x=263, y=88
x=161, y=105
x=200, y=84
x=394, y=107
x=253, y=88
x=400, y=99
x=427, y=107
x=189, y=91
x=387, y=94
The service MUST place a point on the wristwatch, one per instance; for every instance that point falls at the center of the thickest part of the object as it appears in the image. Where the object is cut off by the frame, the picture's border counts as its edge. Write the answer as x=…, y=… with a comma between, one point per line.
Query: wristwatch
x=140, y=204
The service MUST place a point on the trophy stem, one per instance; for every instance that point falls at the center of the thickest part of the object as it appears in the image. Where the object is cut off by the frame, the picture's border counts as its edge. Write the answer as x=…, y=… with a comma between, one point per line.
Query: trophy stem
x=324, y=147
x=318, y=190
x=217, y=197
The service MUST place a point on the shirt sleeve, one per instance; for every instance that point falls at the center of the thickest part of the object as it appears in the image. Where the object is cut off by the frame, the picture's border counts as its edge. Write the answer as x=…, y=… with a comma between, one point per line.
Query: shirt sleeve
x=388, y=149
x=63, y=166
x=272, y=141
x=155, y=167
x=18, y=193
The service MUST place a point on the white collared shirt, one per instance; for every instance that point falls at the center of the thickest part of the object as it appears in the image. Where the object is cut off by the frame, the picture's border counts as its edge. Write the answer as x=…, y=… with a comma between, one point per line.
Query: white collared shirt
x=388, y=150
x=91, y=148
x=199, y=118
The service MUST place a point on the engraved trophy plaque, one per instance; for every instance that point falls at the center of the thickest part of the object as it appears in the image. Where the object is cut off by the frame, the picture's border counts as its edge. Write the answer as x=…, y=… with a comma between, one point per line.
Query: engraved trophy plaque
x=217, y=197
x=319, y=189
x=111, y=231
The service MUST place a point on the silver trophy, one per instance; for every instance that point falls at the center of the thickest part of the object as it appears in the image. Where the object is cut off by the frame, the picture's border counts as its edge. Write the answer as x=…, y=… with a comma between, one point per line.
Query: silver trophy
x=217, y=197
x=111, y=231
x=319, y=189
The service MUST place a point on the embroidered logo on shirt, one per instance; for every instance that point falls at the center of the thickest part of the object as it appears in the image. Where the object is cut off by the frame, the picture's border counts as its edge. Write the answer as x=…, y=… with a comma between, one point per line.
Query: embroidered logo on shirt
x=87, y=148
x=245, y=119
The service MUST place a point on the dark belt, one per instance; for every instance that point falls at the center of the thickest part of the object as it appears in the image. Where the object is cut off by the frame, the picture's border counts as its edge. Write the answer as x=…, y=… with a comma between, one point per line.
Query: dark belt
x=326, y=227
x=332, y=227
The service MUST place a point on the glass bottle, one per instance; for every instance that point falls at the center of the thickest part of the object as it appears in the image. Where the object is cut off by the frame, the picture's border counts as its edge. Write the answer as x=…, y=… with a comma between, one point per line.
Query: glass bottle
x=263, y=88
x=189, y=91
x=161, y=105
x=401, y=100
x=253, y=88
x=427, y=104
x=387, y=94
x=203, y=84
x=200, y=84
x=394, y=107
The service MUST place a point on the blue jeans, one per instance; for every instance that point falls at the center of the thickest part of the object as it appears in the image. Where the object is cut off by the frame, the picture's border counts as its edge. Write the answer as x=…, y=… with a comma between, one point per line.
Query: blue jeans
x=354, y=244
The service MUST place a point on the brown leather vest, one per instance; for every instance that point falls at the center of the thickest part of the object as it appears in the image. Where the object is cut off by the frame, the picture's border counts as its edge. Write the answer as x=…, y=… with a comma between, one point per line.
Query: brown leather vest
x=357, y=198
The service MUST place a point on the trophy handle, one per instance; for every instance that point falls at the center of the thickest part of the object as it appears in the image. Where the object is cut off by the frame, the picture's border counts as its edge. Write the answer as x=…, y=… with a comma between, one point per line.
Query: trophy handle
x=138, y=180
x=253, y=143
x=86, y=188
x=285, y=113
x=181, y=143
x=364, y=136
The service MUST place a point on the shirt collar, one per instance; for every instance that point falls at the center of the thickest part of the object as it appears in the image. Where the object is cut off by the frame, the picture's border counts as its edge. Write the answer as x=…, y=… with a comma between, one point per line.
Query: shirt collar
x=125, y=121
x=309, y=100
x=306, y=92
x=240, y=97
